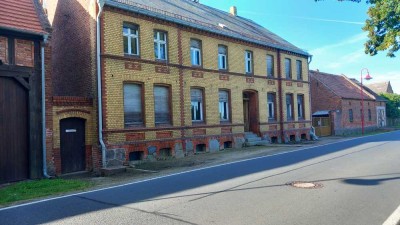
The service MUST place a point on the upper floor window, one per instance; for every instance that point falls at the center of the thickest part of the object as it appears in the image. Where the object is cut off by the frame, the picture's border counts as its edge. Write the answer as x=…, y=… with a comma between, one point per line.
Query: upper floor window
x=196, y=98
x=300, y=106
x=351, y=119
x=131, y=39
x=160, y=45
x=133, y=108
x=222, y=57
x=289, y=106
x=162, y=103
x=270, y=65
x=299, y=70
x=271, y=106
x=288, y=68
x=248, y=60
x=224, y=105
x=195, y=52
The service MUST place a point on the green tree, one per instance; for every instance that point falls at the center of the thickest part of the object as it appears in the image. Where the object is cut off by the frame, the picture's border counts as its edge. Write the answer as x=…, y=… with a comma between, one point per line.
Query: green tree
x=392, y=105
x=383, y=26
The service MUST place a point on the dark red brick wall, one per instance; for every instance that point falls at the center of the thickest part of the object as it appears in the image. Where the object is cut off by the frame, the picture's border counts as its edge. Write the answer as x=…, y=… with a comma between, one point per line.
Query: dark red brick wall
x=24, y=53
x=4, y=49
x=322, y=98
x=73, y=47
x=355, y=105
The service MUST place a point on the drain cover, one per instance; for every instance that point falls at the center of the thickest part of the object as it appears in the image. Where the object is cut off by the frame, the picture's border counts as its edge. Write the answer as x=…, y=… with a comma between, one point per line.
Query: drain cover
x=305, y=184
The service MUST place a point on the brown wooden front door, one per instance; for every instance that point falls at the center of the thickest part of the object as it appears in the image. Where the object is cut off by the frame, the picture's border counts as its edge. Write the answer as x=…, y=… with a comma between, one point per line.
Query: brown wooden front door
x=322, y=126
x=72, y=145
x=14, y=142
x=246, y=119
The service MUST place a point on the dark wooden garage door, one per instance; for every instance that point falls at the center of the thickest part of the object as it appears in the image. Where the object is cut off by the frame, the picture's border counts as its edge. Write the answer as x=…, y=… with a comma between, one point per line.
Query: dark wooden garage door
x=72, y=145
x=14, y=148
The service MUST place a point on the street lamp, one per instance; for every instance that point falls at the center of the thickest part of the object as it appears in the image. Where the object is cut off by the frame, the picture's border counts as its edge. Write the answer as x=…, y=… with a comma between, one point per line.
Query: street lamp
x=367, y=77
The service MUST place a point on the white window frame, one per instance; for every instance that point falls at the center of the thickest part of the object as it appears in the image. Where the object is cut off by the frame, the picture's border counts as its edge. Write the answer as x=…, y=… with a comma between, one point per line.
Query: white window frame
x=248, y=60
x=134, y=36
x=272, y=66
x=222, y=59
x=197, y=105
x=195, y=54
x=159, y=43
x=289, y=107
x=300, y=106
x=271, y=107
x=221, y=107
x=299, y=70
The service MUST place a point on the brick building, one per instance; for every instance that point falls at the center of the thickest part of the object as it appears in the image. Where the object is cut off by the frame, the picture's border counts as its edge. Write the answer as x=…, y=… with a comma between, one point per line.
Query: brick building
x=336, y=105
x=135, y=79
x=179, y=78
x=23, y=32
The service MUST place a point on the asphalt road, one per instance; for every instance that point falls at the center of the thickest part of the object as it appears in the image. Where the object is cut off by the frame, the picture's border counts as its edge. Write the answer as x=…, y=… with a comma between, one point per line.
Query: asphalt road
x=358, y=182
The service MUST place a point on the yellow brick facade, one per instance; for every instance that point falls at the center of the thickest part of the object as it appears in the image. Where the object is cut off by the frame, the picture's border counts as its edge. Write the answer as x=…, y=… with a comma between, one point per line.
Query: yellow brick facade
x=180, y=79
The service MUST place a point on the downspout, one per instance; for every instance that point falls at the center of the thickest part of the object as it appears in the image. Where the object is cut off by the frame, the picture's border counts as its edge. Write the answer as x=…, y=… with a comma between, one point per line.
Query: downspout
x=280, y=94
x=44, y=154
x=100, y=3
x=309, y=86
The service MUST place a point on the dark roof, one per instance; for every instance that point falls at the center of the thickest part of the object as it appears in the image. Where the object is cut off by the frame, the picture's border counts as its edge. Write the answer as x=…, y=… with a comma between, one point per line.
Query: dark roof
x=21, y=16
x=197, y=15
x=381, y=87
x=339, y=85
x=366, y=88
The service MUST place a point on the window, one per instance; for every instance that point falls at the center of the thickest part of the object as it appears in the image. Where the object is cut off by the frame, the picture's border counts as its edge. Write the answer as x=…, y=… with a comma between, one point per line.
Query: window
x=351, y=115
x=224, y=105
x=131, y=39
x=248, y=60
x=299, y=70
x=300, y=106
x=288, y=68
x=222, y=57
x=195, y=52
x=160, y=45
x=271, y=106
x=289, y=105
x=133, y=109
x=369, y=115
x=270, y=65
x=196, y=96
x=162, y=102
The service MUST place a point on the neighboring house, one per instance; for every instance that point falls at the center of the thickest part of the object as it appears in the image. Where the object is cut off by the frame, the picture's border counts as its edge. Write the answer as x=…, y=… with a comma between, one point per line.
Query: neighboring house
x=176, y=78
x=380, y=104
x=336, y=105
x=23, y=32
x=381, y=87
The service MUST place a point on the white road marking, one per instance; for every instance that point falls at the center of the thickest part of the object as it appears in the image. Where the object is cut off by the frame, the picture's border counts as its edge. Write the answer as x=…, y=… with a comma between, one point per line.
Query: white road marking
x=393, y=219
x=184, y=172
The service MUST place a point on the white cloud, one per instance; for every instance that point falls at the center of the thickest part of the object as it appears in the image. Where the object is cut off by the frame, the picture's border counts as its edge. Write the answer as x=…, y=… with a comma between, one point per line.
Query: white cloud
x=349, y=41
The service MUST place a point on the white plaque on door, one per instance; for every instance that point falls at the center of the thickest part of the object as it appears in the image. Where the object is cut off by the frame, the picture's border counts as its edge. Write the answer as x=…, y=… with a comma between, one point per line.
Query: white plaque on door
x=70, y=130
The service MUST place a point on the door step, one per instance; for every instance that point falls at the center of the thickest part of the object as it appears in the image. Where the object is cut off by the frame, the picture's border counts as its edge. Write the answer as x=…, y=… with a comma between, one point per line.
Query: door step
x=252, y=139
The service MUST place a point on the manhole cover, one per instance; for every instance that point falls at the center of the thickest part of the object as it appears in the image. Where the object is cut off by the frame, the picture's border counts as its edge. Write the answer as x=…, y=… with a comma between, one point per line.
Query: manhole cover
x=305, y=184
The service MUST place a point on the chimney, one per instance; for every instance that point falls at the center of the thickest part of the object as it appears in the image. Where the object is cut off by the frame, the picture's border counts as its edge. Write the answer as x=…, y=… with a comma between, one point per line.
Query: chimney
x=233, y=11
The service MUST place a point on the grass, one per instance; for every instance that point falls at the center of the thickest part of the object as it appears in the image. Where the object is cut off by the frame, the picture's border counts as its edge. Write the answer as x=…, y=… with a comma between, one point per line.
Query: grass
x=38, y=188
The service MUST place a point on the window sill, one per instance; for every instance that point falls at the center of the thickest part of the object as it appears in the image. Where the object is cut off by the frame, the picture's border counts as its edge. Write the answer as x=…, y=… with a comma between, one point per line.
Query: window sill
x=223, y=70
x=272, y=120
x=132, y=127
x=164, y=61
x=197, y=66
x=198, y=123
x=132, y=56
x=166, y=125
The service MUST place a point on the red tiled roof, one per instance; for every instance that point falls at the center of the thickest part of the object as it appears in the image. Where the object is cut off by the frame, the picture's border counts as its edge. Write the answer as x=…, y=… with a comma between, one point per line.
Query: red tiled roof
x=20, y=15
x=382, y=87
x=340, y=85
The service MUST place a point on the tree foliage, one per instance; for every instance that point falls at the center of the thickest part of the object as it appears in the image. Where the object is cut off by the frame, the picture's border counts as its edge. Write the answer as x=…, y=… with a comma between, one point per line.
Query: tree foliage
x=392, y=105
x=383, y=26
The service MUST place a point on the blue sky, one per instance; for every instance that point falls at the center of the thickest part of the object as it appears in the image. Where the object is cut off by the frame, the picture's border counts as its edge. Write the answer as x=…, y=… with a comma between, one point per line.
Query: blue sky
x=329, y=30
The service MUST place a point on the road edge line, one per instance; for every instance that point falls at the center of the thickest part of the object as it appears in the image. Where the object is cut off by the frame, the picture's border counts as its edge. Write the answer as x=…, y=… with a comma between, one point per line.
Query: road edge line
x=183, y=172
x=393, y=219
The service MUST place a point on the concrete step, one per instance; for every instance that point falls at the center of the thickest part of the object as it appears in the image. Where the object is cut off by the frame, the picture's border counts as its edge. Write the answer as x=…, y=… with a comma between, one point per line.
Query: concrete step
x=251, y=139
x=257, y=143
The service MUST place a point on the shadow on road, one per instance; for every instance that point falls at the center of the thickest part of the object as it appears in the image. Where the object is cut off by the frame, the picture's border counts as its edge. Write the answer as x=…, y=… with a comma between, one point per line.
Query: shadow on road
x=153, y=189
